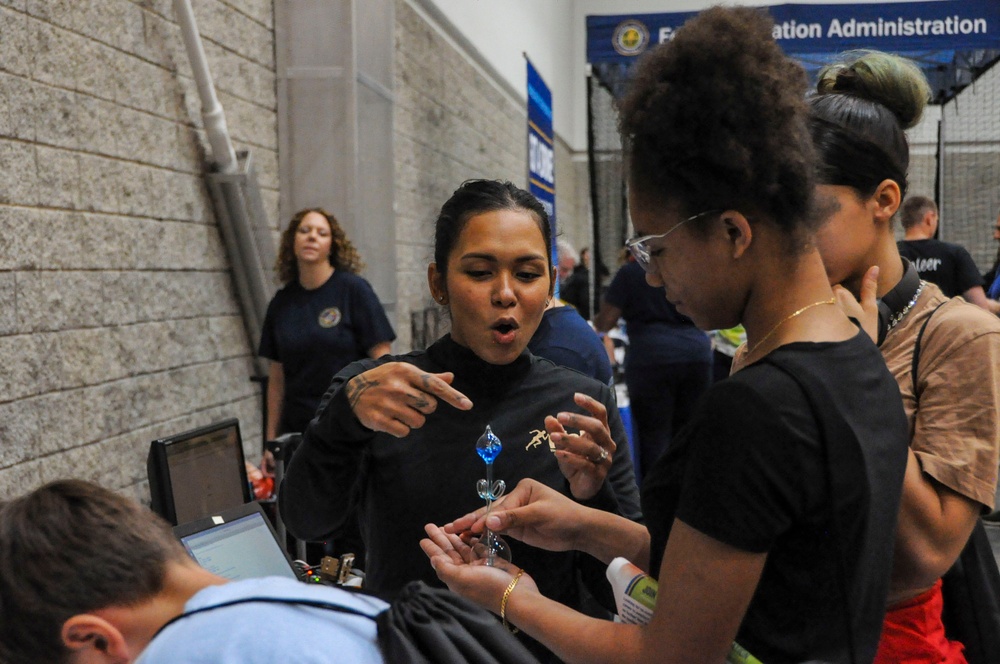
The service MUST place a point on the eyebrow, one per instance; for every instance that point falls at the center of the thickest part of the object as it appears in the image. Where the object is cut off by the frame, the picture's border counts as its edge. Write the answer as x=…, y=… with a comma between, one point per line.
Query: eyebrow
x=491, y=257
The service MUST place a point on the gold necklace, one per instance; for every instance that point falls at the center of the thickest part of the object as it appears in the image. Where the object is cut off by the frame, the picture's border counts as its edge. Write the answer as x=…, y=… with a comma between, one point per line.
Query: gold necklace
x=784, y=320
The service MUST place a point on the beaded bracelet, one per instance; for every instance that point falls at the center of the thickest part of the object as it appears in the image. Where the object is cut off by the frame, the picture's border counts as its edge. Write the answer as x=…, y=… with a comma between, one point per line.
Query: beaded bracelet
x=506, y=596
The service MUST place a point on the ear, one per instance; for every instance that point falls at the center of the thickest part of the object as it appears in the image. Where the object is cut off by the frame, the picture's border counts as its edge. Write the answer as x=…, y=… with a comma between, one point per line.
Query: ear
x=436, y=283
x=739, y=233
x=86, y=632
x=886, y=200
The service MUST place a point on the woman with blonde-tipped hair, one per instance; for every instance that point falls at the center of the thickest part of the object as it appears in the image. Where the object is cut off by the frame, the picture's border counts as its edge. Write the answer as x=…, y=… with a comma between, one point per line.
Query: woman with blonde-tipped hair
x=951, y=394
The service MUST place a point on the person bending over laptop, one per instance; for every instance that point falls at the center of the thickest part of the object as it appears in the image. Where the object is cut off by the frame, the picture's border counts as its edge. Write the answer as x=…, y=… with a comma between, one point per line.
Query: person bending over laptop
x=89, y=576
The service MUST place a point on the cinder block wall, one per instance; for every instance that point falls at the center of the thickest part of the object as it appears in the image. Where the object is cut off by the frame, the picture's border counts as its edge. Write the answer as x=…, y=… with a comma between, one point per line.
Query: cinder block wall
x=573, y=193
x=453, y=122
x=118, y=322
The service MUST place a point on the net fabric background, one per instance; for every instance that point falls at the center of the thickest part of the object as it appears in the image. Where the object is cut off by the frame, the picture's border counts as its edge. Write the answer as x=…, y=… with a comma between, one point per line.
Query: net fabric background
x=954, y=154
x=608, y=193
x=969, y=167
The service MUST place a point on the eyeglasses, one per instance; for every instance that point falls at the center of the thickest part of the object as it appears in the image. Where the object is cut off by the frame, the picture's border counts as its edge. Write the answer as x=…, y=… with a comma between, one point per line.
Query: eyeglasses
x=639, y=247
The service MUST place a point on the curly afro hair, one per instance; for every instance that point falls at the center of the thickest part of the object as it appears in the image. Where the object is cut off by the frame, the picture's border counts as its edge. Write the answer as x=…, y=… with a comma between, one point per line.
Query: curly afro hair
x=716, y=118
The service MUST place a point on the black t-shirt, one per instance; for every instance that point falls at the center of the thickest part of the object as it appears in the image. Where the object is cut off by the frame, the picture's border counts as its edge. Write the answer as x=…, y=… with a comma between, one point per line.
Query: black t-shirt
x=948, y=265
x=749, y=471
x=316, y=333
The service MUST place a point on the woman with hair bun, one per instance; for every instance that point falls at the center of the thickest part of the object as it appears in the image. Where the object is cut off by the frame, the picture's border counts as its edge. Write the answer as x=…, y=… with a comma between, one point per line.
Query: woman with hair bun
x=770, y=519
x=394, y=443
x=952, y=403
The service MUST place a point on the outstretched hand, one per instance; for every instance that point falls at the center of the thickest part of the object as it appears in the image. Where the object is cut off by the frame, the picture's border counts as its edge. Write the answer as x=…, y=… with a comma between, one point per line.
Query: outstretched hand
x=458, y=567
x=532, y=513
x=865, y=309
x=396, y=397
x=585, y=457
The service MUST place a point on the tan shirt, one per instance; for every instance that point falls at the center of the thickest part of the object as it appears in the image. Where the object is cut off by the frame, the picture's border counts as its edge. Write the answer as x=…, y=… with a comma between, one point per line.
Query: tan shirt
x=955, y=432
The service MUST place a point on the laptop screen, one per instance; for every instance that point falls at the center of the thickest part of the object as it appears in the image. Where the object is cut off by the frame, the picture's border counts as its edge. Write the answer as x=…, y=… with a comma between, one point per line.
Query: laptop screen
x=241, y=547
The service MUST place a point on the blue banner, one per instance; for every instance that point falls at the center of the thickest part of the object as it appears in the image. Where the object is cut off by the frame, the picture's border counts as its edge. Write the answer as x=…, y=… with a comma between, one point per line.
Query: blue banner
x=906, y=27
x=541, y=149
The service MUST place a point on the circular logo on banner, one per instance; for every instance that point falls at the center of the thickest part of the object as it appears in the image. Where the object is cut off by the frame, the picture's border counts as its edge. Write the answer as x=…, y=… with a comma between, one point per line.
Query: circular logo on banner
x=630, y=37
x=329, y=317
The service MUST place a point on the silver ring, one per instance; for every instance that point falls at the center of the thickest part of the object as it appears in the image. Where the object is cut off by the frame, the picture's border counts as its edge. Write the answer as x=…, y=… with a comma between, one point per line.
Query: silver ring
x=602, y=457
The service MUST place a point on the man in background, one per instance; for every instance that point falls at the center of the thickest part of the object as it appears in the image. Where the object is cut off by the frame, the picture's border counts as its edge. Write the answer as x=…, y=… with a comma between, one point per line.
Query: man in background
x=568, y=258
x=575, y=288
x=943, y=263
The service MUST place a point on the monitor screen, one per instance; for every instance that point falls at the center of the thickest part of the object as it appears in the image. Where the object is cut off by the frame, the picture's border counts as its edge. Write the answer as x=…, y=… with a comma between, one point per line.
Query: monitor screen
x=197, y=473
x=238, y=544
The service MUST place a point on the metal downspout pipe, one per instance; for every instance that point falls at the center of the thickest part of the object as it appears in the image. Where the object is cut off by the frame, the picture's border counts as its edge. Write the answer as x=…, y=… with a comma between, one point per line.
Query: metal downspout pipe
x=232, y=183
x=212, y=114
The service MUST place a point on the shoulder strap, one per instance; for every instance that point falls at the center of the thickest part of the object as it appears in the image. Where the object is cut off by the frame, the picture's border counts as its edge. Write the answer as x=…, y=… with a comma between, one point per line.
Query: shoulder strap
x=422, y=625
x=916, y=350
x=894, y=304
x=267, y=600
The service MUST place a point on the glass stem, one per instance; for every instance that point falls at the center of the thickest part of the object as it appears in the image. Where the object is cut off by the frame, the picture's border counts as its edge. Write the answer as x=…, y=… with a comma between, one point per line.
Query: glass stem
x=490, y=548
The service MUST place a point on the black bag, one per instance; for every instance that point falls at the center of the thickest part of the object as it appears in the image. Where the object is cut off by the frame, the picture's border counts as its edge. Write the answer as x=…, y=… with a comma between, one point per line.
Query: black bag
x=971, y=588
x=427, y=625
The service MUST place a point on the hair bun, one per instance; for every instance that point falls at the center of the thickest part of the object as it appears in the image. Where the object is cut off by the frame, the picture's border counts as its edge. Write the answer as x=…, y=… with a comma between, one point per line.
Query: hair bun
x=882, y=78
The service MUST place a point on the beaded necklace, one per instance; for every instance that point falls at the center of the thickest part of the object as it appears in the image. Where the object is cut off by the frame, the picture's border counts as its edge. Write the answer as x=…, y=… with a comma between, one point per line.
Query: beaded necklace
x=898, y=316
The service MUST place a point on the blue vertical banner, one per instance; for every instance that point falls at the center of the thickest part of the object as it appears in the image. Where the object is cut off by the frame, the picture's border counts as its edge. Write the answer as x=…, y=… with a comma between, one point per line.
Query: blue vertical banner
x=541, y=149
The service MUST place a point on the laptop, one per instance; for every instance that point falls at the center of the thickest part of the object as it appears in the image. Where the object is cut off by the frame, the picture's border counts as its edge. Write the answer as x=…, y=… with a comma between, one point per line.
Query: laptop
x=238, y=543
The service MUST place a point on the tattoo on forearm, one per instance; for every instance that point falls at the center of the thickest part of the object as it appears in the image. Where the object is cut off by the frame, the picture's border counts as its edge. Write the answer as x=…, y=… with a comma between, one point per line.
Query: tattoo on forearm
x=358, y=386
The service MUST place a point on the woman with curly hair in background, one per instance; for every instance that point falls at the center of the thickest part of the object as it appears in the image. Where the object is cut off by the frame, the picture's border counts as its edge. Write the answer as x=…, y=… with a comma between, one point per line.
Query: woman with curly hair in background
x=770, y=520
x=325, y=317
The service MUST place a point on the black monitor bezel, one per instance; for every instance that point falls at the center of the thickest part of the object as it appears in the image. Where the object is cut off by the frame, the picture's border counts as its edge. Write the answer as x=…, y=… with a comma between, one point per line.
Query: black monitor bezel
x=158, y=470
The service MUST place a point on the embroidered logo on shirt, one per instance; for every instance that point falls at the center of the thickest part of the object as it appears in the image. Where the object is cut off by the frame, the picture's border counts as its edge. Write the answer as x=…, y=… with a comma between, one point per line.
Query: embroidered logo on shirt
x=539, y=436
x=329, y=317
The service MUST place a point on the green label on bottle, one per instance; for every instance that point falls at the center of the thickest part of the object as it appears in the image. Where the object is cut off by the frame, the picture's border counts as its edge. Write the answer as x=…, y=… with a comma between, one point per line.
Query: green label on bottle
x=740, y=655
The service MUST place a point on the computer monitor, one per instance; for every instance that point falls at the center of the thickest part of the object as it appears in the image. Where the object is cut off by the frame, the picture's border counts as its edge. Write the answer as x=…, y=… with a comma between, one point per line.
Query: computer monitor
x=238, y=543
x=198, y=473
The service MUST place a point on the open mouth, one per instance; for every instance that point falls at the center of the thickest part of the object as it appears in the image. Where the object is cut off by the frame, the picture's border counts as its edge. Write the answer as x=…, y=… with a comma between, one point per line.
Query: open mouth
x=504, y=331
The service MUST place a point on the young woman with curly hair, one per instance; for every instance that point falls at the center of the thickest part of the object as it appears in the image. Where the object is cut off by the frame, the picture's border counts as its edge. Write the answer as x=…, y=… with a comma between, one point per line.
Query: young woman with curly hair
x=325, y=317
x=859, y=115
x=770, y=520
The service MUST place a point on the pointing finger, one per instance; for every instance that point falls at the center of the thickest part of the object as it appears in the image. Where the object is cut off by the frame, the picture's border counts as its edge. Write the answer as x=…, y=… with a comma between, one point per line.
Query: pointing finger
x=439, y=386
